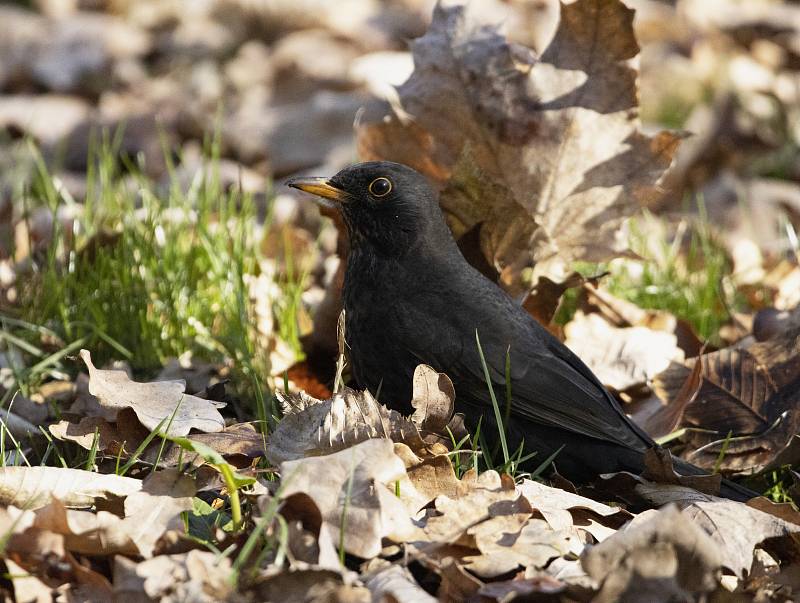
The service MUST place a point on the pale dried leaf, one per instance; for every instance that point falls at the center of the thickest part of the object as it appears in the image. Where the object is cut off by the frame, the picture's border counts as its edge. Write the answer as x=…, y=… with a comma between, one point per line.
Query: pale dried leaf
x=395, y=583
x=725, y=522
x=157, y=508
x=555, y=504
x=433, y=399
x=545, y=154
x=198, y=576
x=354, y=491
x=665, y=558
x=317, y=427
x=34, y=487
x=510, y=541
x=152, y=402
x=629, y=357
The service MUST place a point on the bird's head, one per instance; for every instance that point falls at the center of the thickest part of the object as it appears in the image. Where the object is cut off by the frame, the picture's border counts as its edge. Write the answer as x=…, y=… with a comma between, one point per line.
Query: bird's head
x=386, y=205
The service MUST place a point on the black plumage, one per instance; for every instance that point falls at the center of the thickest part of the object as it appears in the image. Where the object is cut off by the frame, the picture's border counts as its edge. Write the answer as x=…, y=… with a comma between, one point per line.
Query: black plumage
x=411, y=297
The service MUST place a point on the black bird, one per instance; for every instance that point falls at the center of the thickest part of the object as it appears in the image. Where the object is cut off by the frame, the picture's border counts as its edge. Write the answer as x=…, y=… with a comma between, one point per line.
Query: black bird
x=410, y=297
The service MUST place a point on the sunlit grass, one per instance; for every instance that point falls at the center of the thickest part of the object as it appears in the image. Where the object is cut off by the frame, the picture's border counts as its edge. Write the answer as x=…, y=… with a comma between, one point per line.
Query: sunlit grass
x=143, y=275
x=682, y=270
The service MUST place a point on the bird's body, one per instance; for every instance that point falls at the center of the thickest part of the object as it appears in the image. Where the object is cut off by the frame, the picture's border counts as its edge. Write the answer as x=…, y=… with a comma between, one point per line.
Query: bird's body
x=410, y=298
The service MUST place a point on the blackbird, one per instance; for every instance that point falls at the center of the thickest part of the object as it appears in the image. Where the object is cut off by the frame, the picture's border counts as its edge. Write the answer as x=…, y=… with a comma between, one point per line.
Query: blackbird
x=410, y=298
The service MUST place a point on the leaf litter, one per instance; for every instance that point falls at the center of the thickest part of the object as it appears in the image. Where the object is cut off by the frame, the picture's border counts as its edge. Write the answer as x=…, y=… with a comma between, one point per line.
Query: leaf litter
x=346, y=499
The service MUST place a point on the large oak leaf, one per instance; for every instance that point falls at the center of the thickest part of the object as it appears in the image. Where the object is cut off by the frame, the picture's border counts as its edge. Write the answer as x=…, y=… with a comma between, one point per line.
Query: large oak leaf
x=543, y=155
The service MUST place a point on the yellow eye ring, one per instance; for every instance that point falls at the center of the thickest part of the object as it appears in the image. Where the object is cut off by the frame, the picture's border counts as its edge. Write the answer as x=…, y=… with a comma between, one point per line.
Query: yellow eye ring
x=380, y=187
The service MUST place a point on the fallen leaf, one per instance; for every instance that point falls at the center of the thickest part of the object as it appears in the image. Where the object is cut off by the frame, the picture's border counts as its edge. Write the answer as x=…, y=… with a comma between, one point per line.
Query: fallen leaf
x=736, y=529
x=630, y=356
x=544, y=153
x=34, y=487
x=354, y=491
x=149, y=513
x=557, y=506
x=312, y=427
x=152, y=402
x=510, y=541
x=198, y=576
x=395, y=583
x=751, y=393
x=663, y=558
x=157, y=508
x=433, y=397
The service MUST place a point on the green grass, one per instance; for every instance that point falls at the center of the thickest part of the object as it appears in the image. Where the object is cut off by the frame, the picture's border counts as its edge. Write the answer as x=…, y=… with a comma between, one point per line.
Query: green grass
x=146, y=275
x=686, y=275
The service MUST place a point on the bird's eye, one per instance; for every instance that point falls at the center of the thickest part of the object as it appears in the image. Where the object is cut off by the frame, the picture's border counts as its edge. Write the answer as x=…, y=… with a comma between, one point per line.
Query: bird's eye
x=380, y=187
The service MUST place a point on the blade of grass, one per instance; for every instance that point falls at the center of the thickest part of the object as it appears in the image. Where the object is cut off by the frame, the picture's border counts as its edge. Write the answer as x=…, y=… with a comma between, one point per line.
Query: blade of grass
x=500, y=425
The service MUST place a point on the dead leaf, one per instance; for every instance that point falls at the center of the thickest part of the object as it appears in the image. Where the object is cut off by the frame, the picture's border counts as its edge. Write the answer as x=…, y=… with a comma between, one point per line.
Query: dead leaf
x=149, y=513
x=396, y=583
x=354, y=491
x=433, y=398
x=198, y=576
x=658, y=468
x=510, y=541
x=152, y=402
x=546, y=153
x=313, y=427
x=557, y=506
x=34, y=487
x=663, y=558
x=628, y=358
x=667, y=417
x=751, y=393
x=736, y=529
x=157, y=508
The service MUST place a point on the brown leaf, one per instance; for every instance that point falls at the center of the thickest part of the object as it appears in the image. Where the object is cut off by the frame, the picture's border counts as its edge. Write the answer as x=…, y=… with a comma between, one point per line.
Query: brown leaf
x=510, y=541
x=557, y=506
x=350, y=489
x=433, y=398
x=396, y=583
x=751, y=393
x=546, y=153
x=152, y=402
x=668, y=416
x=312, y=427
x=34, y=487
x=665, y=558
x=737, y=529
x=629, y=356
x=149, y=514
x=658, y=468
x=199, y=576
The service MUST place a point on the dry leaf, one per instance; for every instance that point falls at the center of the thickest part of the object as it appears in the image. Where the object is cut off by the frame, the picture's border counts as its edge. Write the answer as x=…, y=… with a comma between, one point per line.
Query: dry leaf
x=622, y=358
x=149, y=513
x=157, y=508
x=510, y=541
x=433, y=398
x=557, y=506
x=736, y=529
x=198, y=576
x=751, y=393
x=545, y=154
x=665, y=558
x=152, y=402
x=313, y=427
x=396, y=583
x=34, y=487
x=354, y=491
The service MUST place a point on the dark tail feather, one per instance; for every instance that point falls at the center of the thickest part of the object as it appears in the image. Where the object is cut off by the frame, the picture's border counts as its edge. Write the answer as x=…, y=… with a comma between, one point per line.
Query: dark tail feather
x=728, y=489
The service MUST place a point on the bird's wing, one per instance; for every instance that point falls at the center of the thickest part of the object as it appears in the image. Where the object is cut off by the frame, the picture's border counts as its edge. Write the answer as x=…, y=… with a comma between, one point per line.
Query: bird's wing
x=549, y=384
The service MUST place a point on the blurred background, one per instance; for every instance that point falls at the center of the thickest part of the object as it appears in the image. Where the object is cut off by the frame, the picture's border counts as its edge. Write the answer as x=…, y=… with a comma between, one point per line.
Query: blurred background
x=143, y=145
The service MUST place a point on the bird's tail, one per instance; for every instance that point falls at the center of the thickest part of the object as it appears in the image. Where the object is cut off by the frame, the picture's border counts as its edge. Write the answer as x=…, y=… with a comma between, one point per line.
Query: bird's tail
x=728, y=489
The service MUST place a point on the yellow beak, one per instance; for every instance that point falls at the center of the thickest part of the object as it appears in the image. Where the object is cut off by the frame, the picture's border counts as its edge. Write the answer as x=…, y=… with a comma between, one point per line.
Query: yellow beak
x=320, y=187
